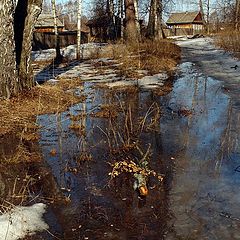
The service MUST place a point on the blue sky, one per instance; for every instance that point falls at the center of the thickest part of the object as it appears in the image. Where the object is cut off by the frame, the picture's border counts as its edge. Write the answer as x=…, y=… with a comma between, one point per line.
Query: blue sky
x=178, y=6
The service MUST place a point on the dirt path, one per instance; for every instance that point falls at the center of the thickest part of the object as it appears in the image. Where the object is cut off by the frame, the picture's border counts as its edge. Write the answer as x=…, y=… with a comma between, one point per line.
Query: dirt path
x=214, y=62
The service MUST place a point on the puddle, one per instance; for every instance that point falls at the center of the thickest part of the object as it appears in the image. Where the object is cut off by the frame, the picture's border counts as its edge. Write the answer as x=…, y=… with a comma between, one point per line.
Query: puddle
x=193, y=133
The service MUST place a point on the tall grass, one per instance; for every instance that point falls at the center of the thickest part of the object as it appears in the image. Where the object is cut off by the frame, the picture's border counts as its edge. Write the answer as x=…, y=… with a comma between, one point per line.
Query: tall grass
x=230, y=41
x=153, y=56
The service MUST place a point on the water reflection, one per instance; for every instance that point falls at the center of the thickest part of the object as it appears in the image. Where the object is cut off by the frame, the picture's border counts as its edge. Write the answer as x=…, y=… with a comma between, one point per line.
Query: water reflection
x=197, y=153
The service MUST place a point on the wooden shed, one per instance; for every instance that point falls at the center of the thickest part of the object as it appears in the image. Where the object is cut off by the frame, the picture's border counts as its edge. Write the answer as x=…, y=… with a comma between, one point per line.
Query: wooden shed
x=45, y=23
x=185, y=23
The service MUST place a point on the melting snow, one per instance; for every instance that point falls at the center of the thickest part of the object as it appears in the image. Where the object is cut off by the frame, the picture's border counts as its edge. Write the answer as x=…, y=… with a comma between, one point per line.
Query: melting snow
x=22, y=221
x=87, y=50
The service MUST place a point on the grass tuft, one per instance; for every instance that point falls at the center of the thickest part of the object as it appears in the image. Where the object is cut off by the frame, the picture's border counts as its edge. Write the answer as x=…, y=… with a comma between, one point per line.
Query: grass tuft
x=230, y=41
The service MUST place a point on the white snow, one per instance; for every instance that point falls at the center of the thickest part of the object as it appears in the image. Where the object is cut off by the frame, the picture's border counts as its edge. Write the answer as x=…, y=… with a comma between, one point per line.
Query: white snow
x=215, y=62
x=121, y=83
x=87, y=50
x=22, y=221
x=154, y=81
x=89, y=71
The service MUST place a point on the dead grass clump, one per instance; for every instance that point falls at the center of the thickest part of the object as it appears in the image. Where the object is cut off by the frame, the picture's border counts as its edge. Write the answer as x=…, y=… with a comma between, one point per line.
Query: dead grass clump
x=20, y=155
x=153, y=56
x=230, y=41
x=185, y=112
x=19, y=112
x=106, y=111
x=131, y=167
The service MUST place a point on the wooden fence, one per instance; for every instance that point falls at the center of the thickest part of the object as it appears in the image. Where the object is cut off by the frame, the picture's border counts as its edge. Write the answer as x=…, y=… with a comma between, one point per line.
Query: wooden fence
x=46, y=40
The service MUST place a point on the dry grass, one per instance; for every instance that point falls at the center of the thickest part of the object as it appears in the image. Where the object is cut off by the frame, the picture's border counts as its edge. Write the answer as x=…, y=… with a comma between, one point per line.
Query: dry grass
x=230, y=41
x=19, y=112
x=153, y=56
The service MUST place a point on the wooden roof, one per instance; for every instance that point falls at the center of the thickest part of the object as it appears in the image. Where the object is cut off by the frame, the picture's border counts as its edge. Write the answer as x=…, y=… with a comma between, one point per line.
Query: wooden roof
x=185, y=17
x=47, y=20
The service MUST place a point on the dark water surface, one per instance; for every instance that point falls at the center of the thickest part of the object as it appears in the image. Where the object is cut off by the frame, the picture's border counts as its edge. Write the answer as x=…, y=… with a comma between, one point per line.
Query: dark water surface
x=194, y=146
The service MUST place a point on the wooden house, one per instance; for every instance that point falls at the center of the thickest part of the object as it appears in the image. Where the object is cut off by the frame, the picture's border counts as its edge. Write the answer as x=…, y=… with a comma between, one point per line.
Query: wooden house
x=44, y=36
x=45, y=23
x=185, y=23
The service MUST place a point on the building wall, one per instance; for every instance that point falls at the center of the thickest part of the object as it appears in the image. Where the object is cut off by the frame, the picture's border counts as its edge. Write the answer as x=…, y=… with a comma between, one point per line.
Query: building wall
x=186, y=29
x=47, y=29
x=46, y=40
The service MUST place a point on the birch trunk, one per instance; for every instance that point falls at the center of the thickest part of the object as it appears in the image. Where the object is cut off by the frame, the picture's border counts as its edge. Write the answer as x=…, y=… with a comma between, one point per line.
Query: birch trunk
x=26, y=16
x=8, y=77
x=79, y=15
x=16, y=45
x=137, y=17
x=120, y=16
x=57, y=45
x=203, y=15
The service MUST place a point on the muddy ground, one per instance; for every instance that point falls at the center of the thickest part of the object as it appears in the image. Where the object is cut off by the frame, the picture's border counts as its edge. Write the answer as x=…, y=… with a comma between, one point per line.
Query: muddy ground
x=189, y=124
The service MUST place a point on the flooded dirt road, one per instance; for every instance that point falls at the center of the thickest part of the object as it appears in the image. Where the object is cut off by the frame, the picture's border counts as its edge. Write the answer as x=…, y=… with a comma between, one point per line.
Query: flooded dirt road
x=193, y=134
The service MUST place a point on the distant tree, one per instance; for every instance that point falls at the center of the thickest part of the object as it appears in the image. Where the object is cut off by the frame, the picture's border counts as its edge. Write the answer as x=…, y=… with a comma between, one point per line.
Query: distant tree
x=120, y=17
x=46, y=7
x=79, y=16
x=57, y=40
x=99, y=9
x=17, y=24
x=154, y=28
x=203, y=14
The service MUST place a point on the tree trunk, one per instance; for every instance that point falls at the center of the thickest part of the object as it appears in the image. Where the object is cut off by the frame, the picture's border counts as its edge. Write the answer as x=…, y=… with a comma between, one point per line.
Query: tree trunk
x=79, y=15
x=26, y=16
x=137, y=18
x=57, y=44
x=154, y=29
x=131, y=33
x=111, y=19
x=8, y=77
x=120, y=17
x=237, y=14
x=203, y=15
x=15, y=56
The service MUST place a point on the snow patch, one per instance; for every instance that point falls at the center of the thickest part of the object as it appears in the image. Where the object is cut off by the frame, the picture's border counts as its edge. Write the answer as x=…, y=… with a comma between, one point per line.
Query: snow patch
x=149, y=82
x=22, y=221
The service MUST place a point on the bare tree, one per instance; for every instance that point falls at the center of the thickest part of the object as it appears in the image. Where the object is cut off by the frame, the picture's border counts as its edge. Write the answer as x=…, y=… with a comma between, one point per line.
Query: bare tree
x=137, y=17
x=120, y=17
x=203, y=14
x=8, y=76
x=57, y=40
x=111, y=19
x=154, y=29
x=79, y=15
x=15, y=50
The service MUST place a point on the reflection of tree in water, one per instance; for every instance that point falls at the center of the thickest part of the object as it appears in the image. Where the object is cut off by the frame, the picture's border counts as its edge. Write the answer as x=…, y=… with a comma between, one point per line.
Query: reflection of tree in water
x=229, y=142
x=97, y=210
